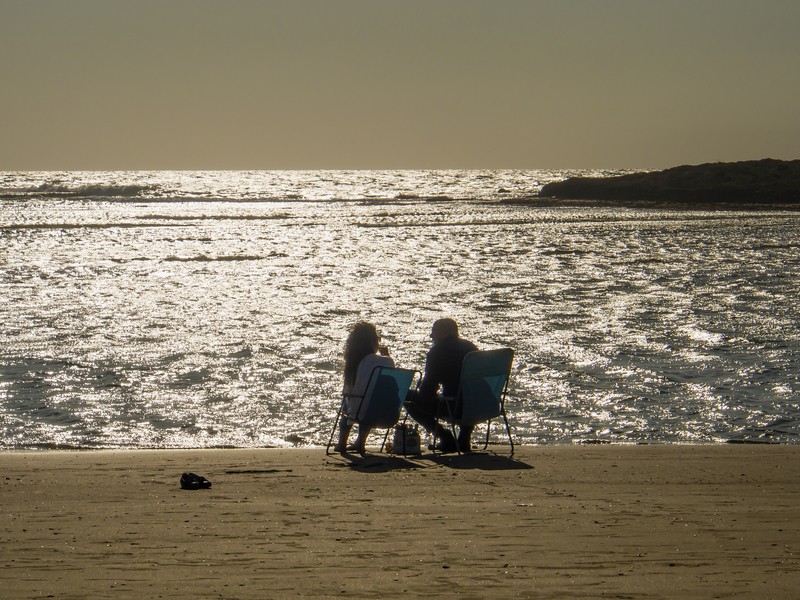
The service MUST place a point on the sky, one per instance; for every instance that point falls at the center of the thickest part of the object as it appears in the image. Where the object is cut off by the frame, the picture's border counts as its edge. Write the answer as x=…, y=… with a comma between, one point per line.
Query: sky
x=403, y=84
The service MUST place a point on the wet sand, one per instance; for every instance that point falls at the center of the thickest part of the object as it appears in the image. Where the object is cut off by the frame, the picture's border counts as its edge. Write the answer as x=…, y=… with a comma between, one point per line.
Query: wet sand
x=553, y=522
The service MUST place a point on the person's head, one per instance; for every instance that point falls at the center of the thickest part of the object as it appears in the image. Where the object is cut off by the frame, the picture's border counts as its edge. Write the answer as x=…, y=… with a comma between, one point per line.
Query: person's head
x=362, y=340
x=443, y=329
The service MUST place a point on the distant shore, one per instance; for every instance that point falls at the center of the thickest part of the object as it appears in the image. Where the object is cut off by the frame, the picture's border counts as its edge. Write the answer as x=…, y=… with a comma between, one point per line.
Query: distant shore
x=553, y=521
x=748, y=185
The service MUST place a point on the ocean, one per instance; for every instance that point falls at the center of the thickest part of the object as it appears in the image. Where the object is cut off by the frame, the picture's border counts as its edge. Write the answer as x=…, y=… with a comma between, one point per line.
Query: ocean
x=209, y=309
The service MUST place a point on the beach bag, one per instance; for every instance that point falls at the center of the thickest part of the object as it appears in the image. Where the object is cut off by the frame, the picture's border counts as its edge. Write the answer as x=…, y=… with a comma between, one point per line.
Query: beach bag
x=192, y=481
x=406, y=440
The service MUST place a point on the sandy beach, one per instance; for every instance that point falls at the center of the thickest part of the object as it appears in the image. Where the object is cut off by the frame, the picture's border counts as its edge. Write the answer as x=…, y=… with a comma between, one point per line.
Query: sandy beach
x=551, y=522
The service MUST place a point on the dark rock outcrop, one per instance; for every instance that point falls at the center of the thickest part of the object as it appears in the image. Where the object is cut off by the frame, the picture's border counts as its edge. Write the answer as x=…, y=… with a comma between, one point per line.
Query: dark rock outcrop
x=754, y=183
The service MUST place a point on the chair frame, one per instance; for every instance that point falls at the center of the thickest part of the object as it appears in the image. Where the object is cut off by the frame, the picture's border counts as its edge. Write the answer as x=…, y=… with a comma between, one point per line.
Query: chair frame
x=376, y=372
x=452, y=402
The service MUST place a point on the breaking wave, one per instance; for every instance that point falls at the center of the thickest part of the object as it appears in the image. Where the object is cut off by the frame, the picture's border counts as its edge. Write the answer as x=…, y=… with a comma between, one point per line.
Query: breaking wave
x=60, y=190
x=99, y=191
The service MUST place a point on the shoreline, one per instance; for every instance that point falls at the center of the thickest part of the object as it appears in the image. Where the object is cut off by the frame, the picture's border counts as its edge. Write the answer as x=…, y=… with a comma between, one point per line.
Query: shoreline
x=618, y=520
x=373, y=449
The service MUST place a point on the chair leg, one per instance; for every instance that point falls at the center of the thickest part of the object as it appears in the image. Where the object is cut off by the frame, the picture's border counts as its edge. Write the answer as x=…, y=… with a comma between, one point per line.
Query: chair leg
x=385, y=437
x=450, y=421
x=453, y=431
x=508, y=431
x=488, y=431
x=335, y=427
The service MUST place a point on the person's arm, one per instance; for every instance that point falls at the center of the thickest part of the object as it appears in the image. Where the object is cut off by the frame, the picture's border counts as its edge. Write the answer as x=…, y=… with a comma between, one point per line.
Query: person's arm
x=432, y=378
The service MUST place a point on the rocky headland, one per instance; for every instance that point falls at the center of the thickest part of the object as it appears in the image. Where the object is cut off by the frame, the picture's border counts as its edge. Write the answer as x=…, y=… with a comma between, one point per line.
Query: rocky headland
x=748, y=184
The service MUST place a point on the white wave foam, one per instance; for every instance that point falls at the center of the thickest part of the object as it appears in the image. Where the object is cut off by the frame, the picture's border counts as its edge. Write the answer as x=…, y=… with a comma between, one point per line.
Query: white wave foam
x=92, y=191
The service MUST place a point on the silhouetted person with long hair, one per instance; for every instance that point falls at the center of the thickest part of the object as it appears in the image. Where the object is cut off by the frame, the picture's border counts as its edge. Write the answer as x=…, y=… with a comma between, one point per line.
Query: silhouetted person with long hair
x=362, y=353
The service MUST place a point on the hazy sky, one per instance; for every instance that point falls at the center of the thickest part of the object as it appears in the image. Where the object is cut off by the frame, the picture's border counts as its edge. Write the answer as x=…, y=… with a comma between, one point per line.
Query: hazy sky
x=269, y=84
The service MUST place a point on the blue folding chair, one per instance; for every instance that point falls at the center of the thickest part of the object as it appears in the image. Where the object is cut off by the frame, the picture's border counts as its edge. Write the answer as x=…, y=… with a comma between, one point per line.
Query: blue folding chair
x=381, y=403
x=481, y=392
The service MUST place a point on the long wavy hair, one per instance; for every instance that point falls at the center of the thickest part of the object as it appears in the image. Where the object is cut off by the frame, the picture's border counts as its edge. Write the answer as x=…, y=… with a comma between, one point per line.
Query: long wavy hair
x=362, y=340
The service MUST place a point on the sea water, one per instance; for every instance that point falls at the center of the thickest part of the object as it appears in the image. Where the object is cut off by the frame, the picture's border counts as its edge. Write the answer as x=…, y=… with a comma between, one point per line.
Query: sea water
x=209, y=309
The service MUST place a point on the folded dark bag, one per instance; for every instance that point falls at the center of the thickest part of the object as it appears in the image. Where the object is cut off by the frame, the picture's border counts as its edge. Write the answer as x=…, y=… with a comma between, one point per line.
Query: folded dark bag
x=192, y=481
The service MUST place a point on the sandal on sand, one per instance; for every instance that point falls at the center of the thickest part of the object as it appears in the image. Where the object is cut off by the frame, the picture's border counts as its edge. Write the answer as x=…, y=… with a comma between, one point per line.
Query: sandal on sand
x=191, y=481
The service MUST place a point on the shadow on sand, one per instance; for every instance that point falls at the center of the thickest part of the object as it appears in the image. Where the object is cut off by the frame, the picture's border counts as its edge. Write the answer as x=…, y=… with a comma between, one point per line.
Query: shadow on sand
x=381, y=463
x=376, y=463
x=484, y=461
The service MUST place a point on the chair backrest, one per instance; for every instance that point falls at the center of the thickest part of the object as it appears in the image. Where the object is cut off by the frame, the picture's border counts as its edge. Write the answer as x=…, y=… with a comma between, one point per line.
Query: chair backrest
x=384, y=397
x=484, y=378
